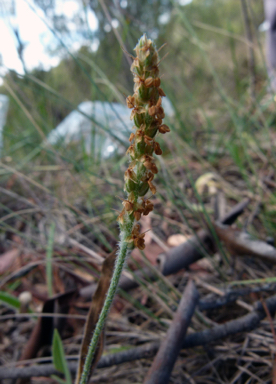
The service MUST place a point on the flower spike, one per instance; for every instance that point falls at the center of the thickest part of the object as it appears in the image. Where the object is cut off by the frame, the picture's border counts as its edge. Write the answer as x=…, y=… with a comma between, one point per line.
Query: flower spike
x=147, y=114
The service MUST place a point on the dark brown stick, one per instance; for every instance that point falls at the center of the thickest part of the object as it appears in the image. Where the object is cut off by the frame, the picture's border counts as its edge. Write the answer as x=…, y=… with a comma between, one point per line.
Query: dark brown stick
x=187, y=253
x=165, y=359
x=230, y=295
x=235, y=212
x=243, y=324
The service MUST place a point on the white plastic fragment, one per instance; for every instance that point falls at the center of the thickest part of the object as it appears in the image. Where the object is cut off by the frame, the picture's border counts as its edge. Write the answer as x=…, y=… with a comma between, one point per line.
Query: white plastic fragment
x=101, y=125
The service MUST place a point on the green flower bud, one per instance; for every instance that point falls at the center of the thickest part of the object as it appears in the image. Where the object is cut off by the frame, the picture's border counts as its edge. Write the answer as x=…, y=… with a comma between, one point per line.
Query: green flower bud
x=143, y=189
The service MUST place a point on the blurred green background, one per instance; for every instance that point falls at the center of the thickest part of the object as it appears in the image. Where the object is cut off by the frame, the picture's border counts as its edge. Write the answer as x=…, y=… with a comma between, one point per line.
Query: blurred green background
x=223, y=118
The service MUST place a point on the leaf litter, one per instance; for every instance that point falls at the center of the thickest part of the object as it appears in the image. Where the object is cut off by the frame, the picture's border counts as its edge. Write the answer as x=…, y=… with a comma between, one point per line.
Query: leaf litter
x=146, y=317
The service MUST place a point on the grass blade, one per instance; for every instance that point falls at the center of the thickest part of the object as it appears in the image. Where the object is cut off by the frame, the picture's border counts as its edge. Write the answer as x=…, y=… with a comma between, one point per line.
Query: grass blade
x=49, y=254
x=59, y=359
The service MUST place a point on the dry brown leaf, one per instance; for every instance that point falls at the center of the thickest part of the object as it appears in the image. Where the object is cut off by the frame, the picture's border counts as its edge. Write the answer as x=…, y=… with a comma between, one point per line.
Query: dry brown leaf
x=84, y=275
x=93, y=315
x=241, y=243
x=42, y=332
x=7, y=259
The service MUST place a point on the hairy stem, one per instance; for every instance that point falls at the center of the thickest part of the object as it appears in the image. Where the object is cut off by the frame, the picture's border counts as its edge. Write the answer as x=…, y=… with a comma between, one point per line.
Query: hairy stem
x=120, y=261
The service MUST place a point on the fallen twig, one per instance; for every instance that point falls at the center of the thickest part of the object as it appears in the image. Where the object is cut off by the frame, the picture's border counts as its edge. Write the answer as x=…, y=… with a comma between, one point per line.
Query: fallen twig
x=234, y=213
x=242, y=324
x=231, y=295
x=186, y=253
x=164, y=361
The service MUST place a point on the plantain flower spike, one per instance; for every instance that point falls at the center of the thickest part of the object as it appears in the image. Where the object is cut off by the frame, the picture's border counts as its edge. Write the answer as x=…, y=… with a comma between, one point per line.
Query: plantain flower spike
x=147, y=114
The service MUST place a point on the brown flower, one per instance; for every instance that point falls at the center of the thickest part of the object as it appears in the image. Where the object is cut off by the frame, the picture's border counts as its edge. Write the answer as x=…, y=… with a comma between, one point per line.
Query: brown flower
x=137, y=238
x=161, y=92
x=163, y=129
x=157, y=148
x=148, y=207
x=130, y=100
x=148, y=162
x=151, y=110
x=148, y=140
x=128, y=205
x=137, y=215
